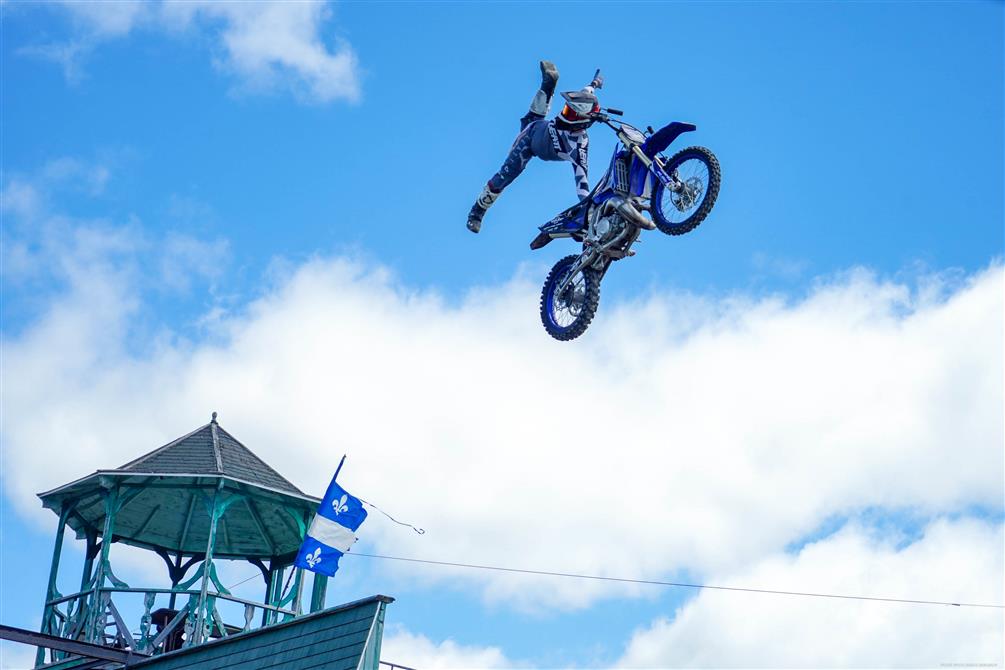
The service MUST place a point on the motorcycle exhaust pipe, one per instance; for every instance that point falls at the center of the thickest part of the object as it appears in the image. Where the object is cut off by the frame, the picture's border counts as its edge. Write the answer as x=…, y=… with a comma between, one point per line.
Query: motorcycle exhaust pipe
x=627, y=210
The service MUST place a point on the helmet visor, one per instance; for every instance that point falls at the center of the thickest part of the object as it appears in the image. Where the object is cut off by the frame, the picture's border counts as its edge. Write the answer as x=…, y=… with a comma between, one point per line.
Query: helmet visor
x=574, y=112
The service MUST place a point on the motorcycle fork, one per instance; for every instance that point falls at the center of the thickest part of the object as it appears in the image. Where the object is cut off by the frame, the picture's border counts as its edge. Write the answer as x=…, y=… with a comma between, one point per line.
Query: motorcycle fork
x=658, y=169
x=590, y=258
x=581, y=263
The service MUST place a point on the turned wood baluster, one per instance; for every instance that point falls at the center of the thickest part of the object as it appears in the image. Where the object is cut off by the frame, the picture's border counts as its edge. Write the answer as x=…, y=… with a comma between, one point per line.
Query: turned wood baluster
x=145, y=620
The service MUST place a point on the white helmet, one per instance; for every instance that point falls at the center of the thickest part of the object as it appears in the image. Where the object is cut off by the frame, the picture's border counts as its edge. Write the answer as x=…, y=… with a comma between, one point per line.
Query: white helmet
x=578, y=107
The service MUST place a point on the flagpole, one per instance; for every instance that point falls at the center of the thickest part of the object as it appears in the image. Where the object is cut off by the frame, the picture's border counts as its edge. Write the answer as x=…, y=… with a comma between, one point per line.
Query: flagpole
x=320, y=587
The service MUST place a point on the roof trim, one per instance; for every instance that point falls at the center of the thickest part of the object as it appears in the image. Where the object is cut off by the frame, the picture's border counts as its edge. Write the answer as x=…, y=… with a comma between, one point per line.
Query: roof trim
x=256, y=456
x=216, y=444
x=119, y=473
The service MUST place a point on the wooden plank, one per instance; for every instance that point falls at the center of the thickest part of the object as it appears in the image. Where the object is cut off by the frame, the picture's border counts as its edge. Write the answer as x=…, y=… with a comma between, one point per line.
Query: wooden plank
x=296, y=642
x=333, y=639
x=69, y=646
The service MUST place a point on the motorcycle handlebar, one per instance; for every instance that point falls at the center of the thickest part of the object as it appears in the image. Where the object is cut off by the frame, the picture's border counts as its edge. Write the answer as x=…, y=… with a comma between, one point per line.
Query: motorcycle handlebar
x=616, y=112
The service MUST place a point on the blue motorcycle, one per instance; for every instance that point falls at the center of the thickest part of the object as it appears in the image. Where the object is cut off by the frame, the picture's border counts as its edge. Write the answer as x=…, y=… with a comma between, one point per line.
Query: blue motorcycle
x=677, y=193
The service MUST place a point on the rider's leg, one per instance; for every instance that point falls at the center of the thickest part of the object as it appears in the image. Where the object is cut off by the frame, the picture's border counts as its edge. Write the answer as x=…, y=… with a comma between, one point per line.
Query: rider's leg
x=541, y=102
x=520, y=153
x=515, y=163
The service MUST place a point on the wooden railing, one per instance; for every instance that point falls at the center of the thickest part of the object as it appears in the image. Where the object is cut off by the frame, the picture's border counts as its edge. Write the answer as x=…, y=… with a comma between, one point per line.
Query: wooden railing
x=76, y=617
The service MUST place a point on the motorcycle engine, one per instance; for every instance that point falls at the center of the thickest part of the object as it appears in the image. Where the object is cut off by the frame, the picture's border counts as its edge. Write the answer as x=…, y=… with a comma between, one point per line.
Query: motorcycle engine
x=604, y=227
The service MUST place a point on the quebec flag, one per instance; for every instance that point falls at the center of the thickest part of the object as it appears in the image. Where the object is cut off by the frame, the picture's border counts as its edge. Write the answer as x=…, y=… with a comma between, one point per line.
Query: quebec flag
x=332, y=531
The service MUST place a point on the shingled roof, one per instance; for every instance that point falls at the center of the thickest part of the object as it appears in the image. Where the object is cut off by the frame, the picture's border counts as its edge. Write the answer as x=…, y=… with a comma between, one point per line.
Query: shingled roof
x=210, y=450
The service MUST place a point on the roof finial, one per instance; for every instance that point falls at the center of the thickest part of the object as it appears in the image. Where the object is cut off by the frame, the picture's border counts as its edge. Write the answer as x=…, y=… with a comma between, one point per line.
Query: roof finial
x=213, y=420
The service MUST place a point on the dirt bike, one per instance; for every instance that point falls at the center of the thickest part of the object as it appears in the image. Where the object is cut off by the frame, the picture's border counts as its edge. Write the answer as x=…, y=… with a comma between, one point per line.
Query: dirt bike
x=677, y=193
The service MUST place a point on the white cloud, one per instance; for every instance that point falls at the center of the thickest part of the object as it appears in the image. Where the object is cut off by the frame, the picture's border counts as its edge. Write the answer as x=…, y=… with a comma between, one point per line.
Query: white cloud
x=41, y=243
x=682, y=433
x=88, y=176
x=418, y=651
x=186, y=257
x=266, y=46
x=20, y=198
x=276, y=44
x=955, y=560
x=25, y=196
x=107, y=19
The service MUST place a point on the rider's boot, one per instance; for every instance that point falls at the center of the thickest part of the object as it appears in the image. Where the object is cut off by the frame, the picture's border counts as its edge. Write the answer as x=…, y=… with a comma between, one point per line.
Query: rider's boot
x=549, y=77
x=542, y=99
x=482, y=204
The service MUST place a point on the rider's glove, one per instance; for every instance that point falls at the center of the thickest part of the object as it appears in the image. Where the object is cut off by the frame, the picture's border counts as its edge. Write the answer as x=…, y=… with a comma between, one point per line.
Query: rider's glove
x=598, y=80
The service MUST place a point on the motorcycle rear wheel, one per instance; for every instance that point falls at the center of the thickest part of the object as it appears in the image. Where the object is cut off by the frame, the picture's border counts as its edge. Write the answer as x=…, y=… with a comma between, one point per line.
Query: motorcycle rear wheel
x=567, y=316
x=676, y=213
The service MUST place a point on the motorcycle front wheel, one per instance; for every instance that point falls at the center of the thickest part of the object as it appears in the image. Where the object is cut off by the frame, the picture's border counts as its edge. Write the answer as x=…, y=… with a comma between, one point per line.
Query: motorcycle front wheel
x=566, y=316
x=679, y=212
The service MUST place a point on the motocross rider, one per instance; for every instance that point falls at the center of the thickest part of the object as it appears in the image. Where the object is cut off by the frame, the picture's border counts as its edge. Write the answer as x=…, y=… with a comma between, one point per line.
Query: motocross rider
x=563, y=138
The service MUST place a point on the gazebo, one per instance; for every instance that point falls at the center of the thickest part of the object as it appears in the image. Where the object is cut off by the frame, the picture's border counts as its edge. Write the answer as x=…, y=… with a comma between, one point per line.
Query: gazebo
x=201, y=497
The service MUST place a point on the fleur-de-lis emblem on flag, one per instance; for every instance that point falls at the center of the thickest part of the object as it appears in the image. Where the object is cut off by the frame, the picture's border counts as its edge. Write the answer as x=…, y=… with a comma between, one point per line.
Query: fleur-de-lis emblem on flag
x=332, y=532
x=315, y=558
x=340, y=505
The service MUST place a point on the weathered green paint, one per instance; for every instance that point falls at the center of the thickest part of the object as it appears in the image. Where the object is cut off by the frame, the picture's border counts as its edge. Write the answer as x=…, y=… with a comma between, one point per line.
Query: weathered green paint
x=318, y=592
x=257, y=518
x=145, y=621
x=165, y=518
x=156, y=499
x=220, y=588
x=151, y=503
x=110, y=575
x=188, y=521
x=333, y=639
x=289, y=597
x=94, y=613
x=371, y=654
x=200, y=632
x=176, y=576
x=196, y=576
x=275, y=577
x=132, y=491
x=300, y=591
x=51, y=593
x=150, y=517
x=87, y=574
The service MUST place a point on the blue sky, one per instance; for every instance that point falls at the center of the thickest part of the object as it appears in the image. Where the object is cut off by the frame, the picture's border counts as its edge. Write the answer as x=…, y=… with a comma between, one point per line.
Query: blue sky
x=185, y=180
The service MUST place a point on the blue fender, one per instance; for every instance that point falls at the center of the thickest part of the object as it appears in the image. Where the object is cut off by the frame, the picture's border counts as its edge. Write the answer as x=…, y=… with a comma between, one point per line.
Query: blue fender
x=665, y=136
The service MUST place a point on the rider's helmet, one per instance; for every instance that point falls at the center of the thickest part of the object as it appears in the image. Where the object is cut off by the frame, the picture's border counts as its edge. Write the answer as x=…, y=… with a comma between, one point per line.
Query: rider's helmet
x=578, y=107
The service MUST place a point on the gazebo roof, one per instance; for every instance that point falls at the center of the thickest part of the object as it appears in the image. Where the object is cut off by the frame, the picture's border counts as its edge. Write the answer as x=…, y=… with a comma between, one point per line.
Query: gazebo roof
x=210, y=450
x=165, y=496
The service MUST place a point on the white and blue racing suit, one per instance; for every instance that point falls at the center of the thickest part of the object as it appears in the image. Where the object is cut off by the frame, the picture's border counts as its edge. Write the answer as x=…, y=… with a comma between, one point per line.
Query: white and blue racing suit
x=550, y=140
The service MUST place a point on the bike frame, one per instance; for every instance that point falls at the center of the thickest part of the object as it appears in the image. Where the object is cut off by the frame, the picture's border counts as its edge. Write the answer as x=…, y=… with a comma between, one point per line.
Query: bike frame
x=640, y=154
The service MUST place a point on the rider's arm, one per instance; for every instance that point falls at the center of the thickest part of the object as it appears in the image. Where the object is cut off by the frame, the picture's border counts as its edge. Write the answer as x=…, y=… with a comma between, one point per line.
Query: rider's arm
x=580, y=161
x=580, y=166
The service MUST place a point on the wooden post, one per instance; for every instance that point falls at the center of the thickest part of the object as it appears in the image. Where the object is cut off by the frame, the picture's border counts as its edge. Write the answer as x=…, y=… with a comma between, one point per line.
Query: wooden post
x=51, y=591
x=89, y=553
x=111, y=507
x=278, y=572
x=269, y=585
x=318, y=592
x=300, y=591
x=200, y=626
x=175, y=578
